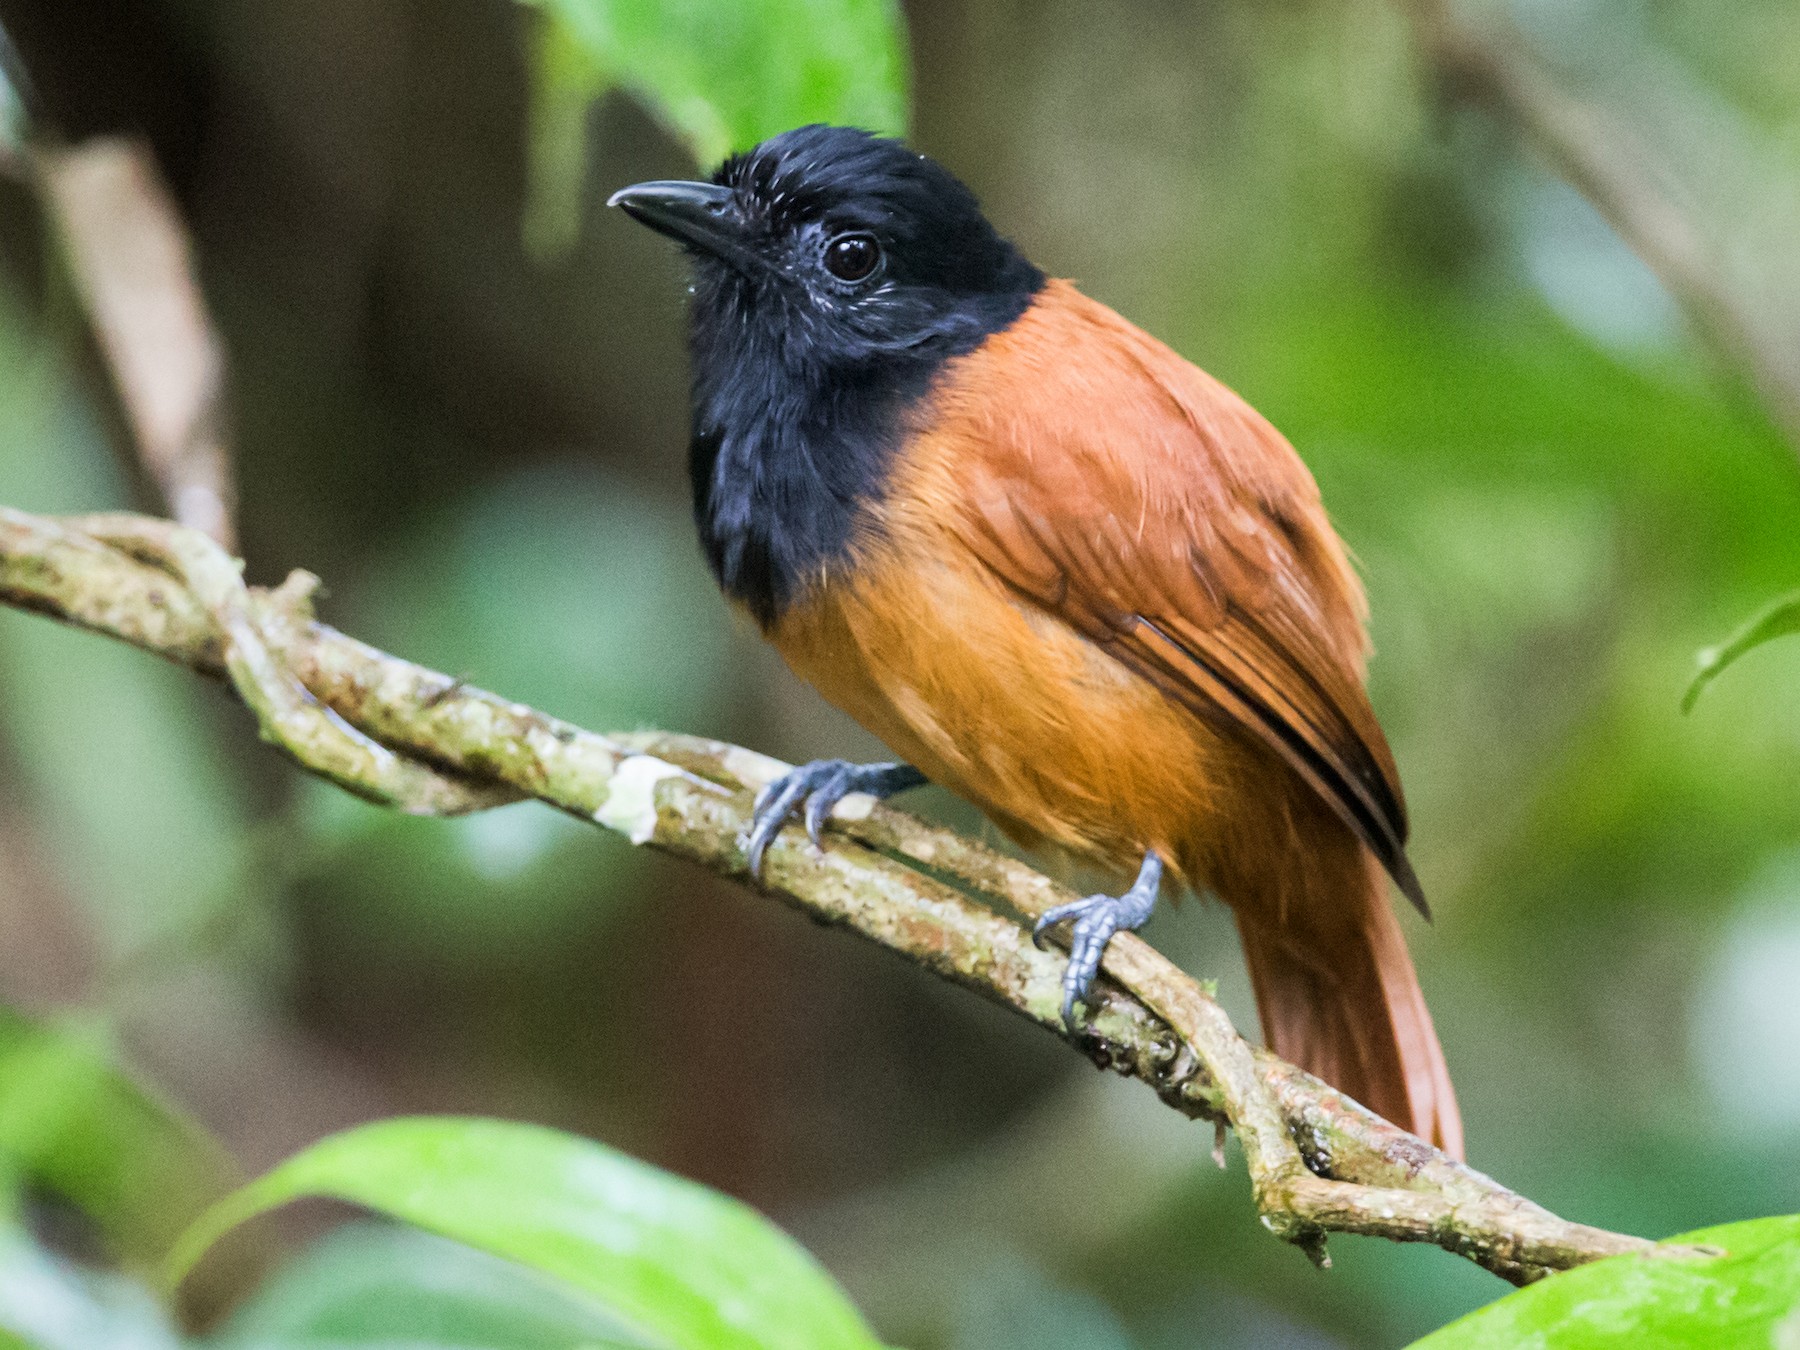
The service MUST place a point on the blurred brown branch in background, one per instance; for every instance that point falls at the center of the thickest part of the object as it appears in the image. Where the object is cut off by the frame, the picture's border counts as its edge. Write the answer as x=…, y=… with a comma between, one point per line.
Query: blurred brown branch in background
x=1638, y=191
x=423, y=742
x=129, y=260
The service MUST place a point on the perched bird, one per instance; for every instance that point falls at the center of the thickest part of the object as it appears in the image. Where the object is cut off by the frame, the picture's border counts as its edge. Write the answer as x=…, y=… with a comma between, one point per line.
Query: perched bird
x=1059, y=570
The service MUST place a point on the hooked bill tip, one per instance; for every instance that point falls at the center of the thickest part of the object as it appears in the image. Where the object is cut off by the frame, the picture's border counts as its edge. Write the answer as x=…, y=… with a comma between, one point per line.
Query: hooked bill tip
x=699, y=215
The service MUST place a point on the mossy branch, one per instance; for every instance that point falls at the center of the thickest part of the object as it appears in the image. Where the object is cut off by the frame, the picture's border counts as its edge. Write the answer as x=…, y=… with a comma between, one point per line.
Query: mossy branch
x=423, y=742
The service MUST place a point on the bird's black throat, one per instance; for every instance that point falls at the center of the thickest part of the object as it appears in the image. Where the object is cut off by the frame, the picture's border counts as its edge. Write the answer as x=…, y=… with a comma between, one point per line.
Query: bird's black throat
x=805, y=386
x=786, y=472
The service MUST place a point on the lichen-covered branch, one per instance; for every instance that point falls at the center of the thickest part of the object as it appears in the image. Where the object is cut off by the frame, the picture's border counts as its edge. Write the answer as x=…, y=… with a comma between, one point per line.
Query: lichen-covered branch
x=424, y=742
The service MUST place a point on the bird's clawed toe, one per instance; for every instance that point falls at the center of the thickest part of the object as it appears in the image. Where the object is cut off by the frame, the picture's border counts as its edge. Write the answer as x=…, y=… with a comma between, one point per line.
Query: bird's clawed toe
x=815, y=789
x=1096, y=919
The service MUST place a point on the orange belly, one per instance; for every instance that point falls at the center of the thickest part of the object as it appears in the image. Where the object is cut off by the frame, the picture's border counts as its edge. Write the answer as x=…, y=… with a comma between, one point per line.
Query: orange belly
x=1055, y=740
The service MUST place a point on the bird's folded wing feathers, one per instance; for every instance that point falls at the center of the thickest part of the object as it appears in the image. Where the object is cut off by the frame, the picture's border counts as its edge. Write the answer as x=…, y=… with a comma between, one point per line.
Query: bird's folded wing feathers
x=1169, y=522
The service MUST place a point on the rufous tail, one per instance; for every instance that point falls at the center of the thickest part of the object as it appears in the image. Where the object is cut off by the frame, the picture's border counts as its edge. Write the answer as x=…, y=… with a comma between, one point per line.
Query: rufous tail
x=1337, y=995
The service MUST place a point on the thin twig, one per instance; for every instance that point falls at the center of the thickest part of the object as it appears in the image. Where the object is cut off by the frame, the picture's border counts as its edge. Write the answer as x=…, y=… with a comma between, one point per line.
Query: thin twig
x=1319, y=1162
x=130, y=260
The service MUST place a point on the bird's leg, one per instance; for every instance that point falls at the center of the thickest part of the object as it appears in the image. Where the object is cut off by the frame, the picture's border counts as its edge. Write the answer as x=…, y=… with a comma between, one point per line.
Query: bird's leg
x=1097, y=918
x=821, y=785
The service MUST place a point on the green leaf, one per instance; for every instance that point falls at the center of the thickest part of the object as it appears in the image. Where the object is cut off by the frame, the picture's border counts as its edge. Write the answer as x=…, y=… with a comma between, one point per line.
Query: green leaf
x=73, y=1122
x=372, y=1285
x=1780, y=619
x=720, y=76
x=677, y=1262
x=1750, y=1296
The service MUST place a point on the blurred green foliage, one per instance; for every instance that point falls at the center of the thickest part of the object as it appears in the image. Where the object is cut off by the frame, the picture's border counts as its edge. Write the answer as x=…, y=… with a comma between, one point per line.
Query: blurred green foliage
x=721, y=77
x=377, y=1285
x=1555, y=496
x=1780, y=619
x=679, y=1264
x=48, y=1303
x=1748, y=1295
x=73, y=1125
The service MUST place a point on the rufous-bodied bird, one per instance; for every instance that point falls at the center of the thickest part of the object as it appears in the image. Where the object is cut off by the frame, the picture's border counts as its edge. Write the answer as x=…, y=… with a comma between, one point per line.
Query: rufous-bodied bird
x=1059, y=570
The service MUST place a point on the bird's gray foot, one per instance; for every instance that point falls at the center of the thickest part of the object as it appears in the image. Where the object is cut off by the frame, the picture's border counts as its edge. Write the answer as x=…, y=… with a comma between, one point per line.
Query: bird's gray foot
x=821, y=785
x=1097, y=918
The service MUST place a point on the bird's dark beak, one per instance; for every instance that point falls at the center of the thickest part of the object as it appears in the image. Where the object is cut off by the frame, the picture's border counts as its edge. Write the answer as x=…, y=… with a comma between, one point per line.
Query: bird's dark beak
x=700, y=215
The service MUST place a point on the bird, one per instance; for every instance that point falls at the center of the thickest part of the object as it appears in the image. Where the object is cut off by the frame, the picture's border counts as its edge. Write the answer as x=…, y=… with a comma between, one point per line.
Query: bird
x=1060, y=571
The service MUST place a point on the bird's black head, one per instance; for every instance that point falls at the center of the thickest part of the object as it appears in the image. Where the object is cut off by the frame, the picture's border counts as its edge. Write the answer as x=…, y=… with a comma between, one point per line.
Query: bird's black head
x=834, y=274
x=827, y=249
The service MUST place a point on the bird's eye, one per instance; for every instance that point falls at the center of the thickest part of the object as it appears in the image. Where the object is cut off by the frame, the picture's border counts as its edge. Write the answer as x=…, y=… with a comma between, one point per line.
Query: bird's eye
x=851, y=257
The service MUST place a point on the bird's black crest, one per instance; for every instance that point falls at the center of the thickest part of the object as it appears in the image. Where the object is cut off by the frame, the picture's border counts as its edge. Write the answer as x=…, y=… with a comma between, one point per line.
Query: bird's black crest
x=803, y=380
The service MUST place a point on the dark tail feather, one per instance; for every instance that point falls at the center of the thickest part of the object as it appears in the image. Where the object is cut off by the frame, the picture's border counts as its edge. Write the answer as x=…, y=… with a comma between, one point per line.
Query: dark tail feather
x=1340, y=999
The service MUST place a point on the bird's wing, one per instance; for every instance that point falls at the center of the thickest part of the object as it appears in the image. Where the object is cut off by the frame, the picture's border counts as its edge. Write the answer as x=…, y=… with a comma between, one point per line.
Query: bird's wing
x=1124, y=490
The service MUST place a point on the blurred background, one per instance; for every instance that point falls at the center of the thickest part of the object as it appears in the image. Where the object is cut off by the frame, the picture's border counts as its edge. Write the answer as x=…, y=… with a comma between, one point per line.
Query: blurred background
x=458, y=394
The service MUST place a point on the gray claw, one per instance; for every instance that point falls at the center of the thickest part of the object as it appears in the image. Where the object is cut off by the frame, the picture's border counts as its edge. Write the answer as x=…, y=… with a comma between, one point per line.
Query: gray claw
x=1051, y=917
x=821, y=785
x=831, y=789
x=1097, y=918
x=774, y=804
